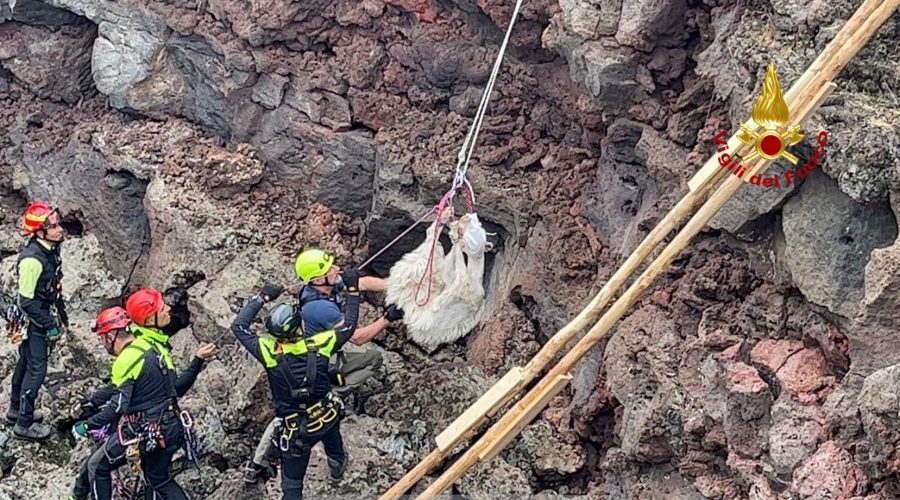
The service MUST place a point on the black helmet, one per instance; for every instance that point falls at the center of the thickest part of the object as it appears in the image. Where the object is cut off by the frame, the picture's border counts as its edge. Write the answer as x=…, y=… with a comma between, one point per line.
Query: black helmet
x=283, y=321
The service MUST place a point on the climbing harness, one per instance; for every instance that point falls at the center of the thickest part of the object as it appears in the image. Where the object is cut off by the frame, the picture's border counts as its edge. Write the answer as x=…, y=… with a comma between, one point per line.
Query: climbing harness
x=134, y=429
x=306, y=427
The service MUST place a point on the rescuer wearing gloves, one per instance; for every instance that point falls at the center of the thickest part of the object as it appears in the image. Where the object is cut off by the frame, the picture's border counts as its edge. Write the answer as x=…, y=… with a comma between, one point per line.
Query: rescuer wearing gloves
x=40, y=299
x=320, y=299
x=297, y=369
x=147, y=389
x=110, y=453
x=321, y=311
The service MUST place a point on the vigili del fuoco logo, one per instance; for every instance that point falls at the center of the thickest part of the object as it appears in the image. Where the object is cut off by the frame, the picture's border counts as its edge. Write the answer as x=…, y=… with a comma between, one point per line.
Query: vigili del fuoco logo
x=770, y=112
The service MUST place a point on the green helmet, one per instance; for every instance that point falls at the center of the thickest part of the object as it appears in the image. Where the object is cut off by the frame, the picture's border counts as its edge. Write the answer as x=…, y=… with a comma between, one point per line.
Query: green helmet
x=283, y=321
x=313, y=263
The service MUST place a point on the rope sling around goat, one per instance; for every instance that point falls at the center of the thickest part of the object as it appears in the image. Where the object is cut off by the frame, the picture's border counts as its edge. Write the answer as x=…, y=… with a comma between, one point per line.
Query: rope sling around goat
x=464, y=157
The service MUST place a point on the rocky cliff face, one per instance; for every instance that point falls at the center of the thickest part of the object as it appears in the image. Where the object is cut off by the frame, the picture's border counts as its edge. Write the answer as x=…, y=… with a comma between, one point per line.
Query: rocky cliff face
x=196, y=146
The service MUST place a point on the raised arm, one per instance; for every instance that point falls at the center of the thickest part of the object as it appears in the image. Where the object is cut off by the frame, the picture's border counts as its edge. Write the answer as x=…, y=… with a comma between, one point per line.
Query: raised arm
x=241, y=325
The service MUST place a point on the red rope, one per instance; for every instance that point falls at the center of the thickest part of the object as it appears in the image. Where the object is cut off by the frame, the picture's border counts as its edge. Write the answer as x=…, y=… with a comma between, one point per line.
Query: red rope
x=470, y=199
x=429, y=269
x=446, y=201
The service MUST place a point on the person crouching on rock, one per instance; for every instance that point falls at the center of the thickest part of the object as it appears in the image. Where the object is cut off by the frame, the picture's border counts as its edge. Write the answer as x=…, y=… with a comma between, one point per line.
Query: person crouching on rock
x=40, y=300
x=297, y=369
x=111, y=324
x=145, y=400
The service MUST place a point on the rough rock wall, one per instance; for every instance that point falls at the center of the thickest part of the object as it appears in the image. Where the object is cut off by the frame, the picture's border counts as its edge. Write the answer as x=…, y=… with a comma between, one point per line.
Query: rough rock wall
x=201, y=144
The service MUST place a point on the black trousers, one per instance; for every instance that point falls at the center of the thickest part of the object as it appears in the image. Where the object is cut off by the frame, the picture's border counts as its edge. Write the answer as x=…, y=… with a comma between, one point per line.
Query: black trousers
x=295, y=461
x=104, y=453
x=31, y=370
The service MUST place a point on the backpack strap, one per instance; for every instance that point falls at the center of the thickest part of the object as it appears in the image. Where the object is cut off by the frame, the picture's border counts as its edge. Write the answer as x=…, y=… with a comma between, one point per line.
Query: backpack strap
x=300, y=391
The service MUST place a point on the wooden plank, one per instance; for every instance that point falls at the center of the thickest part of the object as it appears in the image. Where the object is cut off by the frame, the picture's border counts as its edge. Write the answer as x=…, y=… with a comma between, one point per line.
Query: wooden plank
x=706, y=174
x=526, y=416
x=485, y=405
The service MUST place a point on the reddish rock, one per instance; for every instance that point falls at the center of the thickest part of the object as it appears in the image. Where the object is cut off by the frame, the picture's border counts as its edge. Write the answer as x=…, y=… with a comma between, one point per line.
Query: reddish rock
x=833, y=343
x=661, y=297
x=55, y=64
x=697, y=463
x=805, y=372
x=746, y=471
x=744, y=378
x=747, y=402
x=717, y=486
x=715, y=438
x=796, y=432
x=829, y=473
x=504, y=329
x=773, y=353
x=729, y=354
x=425, y=10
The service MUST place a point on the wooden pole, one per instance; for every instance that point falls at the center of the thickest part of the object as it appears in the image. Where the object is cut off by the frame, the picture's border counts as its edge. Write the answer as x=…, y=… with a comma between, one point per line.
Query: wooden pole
x=814, y=86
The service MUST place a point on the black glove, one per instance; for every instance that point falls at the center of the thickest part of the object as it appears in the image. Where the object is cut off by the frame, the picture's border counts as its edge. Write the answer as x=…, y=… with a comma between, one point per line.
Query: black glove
x=350, y=277
x=393, y=312
x=83, y=409
x=271, y=292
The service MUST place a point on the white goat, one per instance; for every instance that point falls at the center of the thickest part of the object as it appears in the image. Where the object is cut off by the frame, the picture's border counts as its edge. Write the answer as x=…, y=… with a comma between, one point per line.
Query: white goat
x=457, y=294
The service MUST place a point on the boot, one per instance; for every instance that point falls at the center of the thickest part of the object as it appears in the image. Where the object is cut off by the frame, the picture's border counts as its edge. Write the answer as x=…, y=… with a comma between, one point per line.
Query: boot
x=37, y=432
x=337, y=469
x=13, y=415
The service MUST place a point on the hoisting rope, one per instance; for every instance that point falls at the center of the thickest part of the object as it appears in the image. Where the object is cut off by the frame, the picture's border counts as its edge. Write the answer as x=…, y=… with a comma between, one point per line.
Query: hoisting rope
x=468, y=147
x=459, y=179
x=465, y=157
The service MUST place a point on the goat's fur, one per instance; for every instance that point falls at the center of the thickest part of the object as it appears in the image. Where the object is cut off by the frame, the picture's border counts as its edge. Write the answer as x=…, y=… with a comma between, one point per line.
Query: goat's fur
x=457, y=294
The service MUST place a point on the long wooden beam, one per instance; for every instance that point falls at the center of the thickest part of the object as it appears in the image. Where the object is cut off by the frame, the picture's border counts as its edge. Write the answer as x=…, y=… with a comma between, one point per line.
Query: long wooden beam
x=803, y=98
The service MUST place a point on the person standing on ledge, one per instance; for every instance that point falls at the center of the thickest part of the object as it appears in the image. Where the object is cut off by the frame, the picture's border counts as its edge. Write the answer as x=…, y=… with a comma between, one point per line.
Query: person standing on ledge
x=40, y=299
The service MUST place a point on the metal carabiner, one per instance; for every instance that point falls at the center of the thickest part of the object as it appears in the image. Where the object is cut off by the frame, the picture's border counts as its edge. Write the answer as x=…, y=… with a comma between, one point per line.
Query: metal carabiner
x=186, y=420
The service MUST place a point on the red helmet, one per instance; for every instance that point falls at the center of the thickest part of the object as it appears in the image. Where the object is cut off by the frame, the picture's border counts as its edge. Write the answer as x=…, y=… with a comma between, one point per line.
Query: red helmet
x=114, y=318
x=142, y=304
x=36, y=217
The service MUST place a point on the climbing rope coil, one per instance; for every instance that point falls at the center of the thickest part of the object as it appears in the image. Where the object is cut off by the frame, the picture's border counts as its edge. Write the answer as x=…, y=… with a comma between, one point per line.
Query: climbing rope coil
x=453, y=299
